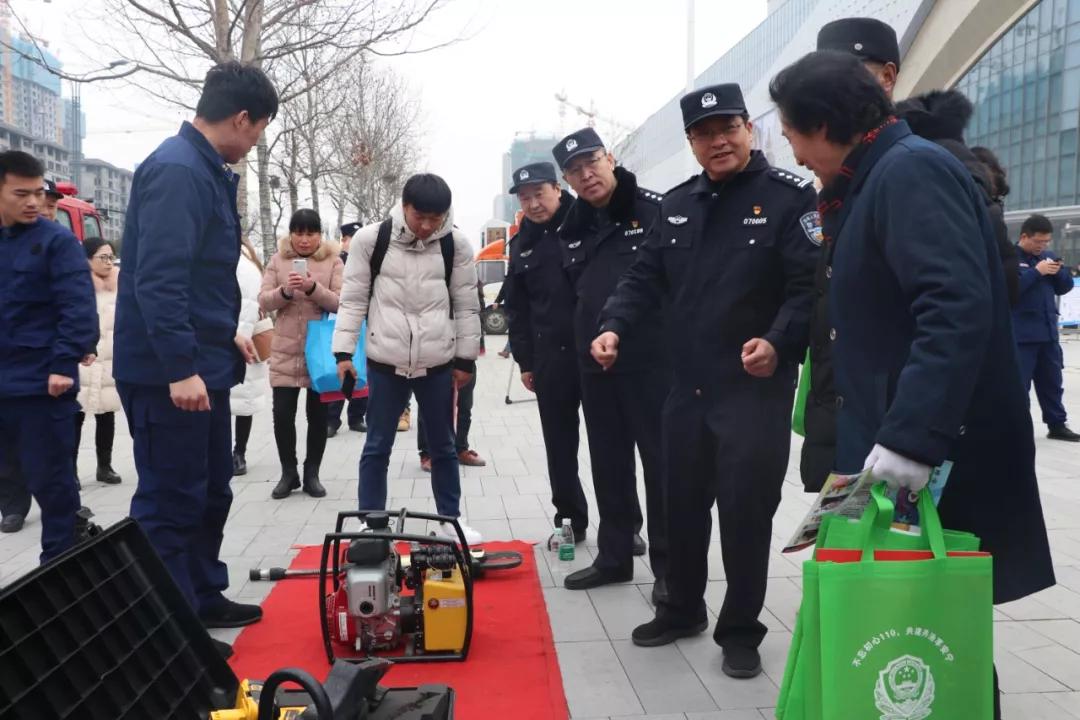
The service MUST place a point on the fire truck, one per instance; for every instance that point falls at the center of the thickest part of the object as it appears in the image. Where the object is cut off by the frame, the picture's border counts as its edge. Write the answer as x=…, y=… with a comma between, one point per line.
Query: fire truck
x=78, y=216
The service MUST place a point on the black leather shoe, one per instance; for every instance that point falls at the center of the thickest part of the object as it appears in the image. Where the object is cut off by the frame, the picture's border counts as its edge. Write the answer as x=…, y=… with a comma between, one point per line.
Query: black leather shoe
x=239, y=464
x=1062, y=432
x=331, y=431
x=312, y=486
x=358, y=427
x=741, y=663
x=290, y=480
x=640, y=548
x=223, y=647
x=579, y=536
x=107, y=475
x=229, y=614
x=12, y=523
x=592, y=577
x=660, y=631
x=659, y=592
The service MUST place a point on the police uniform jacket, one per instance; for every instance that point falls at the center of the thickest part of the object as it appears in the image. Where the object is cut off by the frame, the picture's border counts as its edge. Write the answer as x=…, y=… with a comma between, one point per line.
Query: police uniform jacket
x=1035, y=316
x=179, y=301
x=923, y=353
x=736, y=261
x=539, y=295
x=598, y=251
x=48, y=312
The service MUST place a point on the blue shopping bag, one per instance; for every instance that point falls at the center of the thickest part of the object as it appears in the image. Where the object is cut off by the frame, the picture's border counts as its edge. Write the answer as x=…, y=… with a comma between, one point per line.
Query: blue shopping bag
x=321, y=365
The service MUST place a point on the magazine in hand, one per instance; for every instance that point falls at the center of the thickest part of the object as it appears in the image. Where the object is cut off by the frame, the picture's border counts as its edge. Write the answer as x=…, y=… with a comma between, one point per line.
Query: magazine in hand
x=848, y=496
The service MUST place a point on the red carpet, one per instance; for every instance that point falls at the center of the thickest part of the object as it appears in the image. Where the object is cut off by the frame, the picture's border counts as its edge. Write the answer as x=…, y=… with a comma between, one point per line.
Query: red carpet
x=511, y=672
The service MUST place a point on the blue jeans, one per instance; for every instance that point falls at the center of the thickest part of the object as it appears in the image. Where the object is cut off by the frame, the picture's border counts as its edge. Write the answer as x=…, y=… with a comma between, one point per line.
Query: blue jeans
x=386, y=400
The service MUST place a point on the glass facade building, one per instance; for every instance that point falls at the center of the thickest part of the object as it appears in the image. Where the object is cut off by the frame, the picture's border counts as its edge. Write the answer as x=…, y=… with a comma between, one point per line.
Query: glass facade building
x=1026, y=92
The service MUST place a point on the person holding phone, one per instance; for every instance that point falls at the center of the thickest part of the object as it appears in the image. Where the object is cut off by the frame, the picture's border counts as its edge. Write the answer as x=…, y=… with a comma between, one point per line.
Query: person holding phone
x=301, y=282
x=1035, y=323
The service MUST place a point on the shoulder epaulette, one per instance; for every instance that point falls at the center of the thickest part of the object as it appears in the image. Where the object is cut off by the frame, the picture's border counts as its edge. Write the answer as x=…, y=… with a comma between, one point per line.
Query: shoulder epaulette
x=649, y=195
x=685, y=183
x=789, y=178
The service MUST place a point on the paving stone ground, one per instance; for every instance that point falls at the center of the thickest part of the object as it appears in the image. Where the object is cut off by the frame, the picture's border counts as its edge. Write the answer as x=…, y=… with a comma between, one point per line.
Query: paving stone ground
x=605, y=676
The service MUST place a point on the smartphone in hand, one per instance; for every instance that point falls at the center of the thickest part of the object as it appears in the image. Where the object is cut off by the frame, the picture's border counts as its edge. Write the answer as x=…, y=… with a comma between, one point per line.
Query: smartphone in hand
x=348, y=385
x=299, y=266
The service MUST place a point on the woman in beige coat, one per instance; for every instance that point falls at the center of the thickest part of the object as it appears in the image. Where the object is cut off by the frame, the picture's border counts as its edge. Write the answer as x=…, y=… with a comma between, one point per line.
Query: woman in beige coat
x=301, y=282
x=97, y=389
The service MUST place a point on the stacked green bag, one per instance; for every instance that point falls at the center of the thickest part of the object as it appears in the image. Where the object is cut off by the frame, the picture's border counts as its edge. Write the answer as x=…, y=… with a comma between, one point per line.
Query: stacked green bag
x=802, y=393
x=891, y=637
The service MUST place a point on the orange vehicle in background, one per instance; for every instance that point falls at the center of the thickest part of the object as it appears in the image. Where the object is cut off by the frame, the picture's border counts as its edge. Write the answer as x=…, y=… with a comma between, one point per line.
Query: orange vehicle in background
x=491, y=263
x=78, y=216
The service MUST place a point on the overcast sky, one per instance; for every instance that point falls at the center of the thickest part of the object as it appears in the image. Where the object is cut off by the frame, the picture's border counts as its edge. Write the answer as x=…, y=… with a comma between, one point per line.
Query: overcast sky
x=626, y=56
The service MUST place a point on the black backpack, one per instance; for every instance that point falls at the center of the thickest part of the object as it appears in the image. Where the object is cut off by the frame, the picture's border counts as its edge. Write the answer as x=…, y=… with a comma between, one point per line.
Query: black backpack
x=382, y=244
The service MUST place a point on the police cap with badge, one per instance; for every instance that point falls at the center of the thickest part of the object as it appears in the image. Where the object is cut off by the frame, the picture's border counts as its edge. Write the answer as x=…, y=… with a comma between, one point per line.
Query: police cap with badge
x=52, y=191
x=866, y=38
x=576, y=143
x=533, y=174
x=349, y=229
x=726, y=99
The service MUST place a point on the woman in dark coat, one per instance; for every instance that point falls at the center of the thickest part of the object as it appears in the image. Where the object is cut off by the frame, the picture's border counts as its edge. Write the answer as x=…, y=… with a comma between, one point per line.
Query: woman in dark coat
x=924, y=360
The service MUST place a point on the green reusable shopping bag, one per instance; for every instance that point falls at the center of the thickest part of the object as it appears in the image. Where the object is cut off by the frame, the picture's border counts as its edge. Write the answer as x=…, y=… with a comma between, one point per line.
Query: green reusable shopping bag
x=841, y=532
x=798, y=414
x=904, y=640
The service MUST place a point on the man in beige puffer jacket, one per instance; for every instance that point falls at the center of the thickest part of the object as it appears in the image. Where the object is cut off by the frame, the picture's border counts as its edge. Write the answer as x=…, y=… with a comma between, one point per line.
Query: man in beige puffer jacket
x=423, y=335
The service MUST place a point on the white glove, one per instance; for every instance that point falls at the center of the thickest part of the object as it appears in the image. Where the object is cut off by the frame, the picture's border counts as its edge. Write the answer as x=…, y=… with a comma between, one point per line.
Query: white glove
x=896, y=470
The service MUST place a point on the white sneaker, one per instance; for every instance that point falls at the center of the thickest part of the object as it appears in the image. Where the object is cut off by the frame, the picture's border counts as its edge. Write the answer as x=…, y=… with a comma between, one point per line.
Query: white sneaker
x=472, y=537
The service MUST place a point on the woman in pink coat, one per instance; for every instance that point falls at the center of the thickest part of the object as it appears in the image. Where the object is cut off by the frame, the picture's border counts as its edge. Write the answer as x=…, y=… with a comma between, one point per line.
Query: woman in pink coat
x=301, y=282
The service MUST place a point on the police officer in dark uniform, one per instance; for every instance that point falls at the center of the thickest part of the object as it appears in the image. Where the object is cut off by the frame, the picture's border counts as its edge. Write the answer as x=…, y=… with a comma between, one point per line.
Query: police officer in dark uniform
x=540, y=307
x=48, y=321
x=1043, y=277
x=733, y=254
x=603, y=231
x=873, y=42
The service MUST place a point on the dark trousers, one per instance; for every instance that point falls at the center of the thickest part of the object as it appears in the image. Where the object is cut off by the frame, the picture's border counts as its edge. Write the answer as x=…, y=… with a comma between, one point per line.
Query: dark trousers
x=41, y=435
x=622, y=410
x=356, y=414
x=388, y=394
x=463, y=425
x=104, y=433
x=184, y=463
x=1042, y=363
x=14, y=497
x=727, y=447
x=558, y=395
x=285, y=402
x=243, y=433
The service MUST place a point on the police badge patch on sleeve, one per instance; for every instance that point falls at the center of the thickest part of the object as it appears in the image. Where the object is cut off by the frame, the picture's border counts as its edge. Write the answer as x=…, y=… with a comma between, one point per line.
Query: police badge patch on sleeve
x=811, y=225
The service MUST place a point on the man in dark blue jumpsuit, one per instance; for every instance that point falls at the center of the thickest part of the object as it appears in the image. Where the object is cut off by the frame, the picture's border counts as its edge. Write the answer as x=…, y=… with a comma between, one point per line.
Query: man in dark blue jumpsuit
x=176, y=351
x=540, y=306
x=603, y=230
x=1035, y=323
x=734, y=254
x=48, y=322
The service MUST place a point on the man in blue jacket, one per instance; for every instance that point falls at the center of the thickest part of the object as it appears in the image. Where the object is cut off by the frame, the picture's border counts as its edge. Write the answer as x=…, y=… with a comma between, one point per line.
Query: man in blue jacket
x=48, y=322
x=176, y=352
x=1035, y=322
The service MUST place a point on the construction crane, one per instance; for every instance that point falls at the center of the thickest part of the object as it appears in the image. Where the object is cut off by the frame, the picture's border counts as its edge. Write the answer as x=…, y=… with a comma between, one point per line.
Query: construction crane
x=617, y=129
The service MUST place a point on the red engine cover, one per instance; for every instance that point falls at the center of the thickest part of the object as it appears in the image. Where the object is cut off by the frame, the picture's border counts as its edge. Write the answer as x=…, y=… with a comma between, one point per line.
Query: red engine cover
x=342, y=626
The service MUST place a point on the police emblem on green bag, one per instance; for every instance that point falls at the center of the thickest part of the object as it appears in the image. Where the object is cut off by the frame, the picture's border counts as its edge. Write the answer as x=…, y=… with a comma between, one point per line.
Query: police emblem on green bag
x=905, y=690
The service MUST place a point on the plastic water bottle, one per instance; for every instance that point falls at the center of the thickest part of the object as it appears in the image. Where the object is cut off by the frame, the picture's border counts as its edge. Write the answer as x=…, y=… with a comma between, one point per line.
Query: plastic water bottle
x=566, y=541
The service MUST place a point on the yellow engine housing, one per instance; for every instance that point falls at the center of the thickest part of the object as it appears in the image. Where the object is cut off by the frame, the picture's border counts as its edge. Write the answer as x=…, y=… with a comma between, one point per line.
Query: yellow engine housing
x=445, y=611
